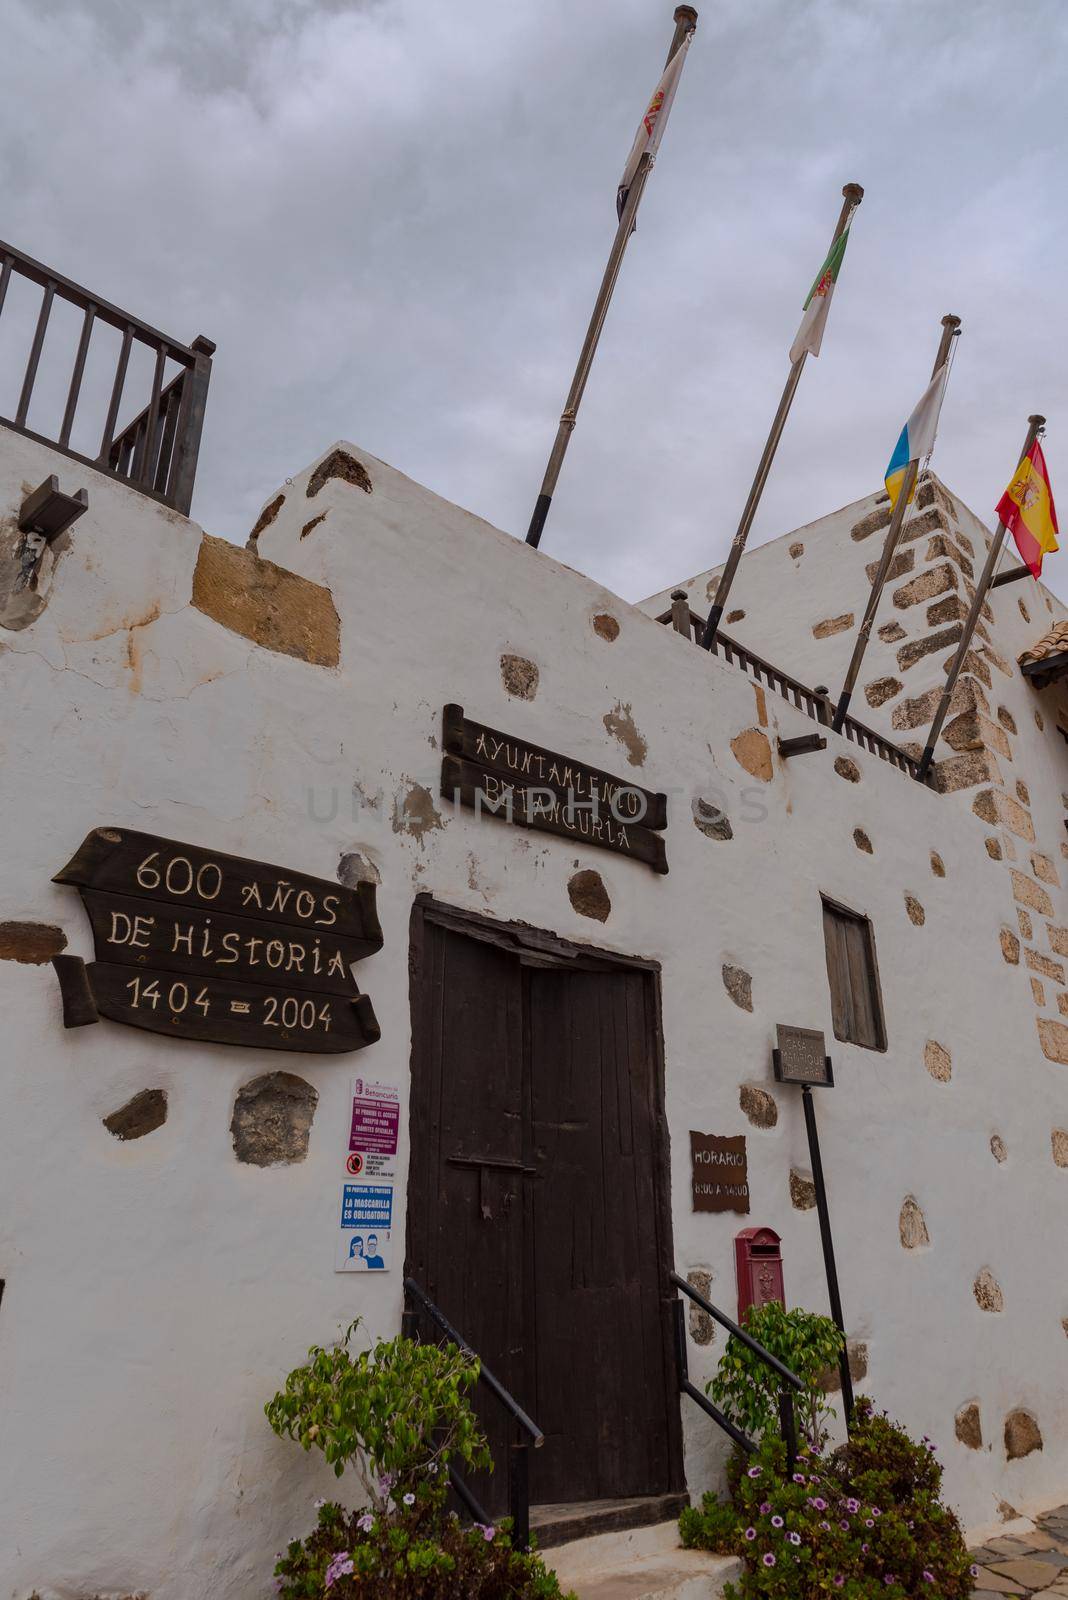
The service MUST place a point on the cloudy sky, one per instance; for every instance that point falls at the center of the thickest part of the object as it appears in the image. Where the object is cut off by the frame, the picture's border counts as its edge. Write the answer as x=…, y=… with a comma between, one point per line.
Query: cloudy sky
x=392, y=217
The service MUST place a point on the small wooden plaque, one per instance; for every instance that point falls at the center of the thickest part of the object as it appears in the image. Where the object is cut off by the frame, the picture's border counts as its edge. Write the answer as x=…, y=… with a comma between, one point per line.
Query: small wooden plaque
x=719, y=1172
x=801, y=1056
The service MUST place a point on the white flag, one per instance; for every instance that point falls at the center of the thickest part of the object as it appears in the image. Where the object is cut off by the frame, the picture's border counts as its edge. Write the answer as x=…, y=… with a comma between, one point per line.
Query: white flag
x=651, y=127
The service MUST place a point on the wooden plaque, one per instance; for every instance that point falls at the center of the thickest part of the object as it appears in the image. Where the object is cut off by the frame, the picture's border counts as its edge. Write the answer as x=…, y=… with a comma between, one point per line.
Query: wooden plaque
x=197, y=944
x=719, y=1172
x=801, y=1056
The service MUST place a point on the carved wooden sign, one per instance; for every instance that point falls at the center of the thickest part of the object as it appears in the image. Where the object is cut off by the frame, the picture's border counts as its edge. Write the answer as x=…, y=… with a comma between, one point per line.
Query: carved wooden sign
x=801, y=1056
x=719, y=1172
x=499, y=775
x=200, y=945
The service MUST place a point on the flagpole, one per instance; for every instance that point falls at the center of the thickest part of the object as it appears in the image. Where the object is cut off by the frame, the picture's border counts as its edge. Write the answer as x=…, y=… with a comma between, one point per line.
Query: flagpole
x=1035, y=424
x=950, y=330
x=685, y=22
x=852, y=194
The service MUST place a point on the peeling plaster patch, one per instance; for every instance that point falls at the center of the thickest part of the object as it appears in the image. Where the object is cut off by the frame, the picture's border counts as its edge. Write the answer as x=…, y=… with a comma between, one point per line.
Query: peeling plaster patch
x=313, y=522
x=702, y=1326
x=937, y=1060
x=752, y=750
x=830, y=1379
x=710, y=821
x=272, y=1120
x=997, y=1148
x=620, y=724
x=847, y=769
x=759, y=1106
x=143, y=1114
x=364, y=796
x=605, y=626
x=33, y=943
x=339, y=464
x=862, y=842
x=968, y=1426
x=588, y=895
x=1022, y=1435
x=414, y=811
x=987, y=1292
x=264, y=520
x=802, y=1191
x=519, y=676
x=912, y=1226
x=739, y=985
x=354, y=868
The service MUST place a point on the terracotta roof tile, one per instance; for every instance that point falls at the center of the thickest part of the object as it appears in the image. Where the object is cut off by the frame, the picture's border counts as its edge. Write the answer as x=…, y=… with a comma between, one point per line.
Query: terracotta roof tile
x=1053, y=643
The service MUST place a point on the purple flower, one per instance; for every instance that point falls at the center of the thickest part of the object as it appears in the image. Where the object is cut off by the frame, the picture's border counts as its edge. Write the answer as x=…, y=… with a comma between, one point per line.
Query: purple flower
x=433, y=1469
x=819, y=1503
x=754, y=1472
x=340, y=1567
x=366, y=1522
x=409, y=1499
x=826, y=1527
x=853, y=1506
x=869, y=1522
x=765, y=1508
x=799, y=1477
x=794, y=1538
x=864, y=1549
x=844, y=1524
x=769, y=1559
x=974, y=1571
x=839, y=1580
x=875, y=1511
x=486, y=1531
x=928, y=1577
x=750, y=1534
x=386, y=1481
x=776, y=1522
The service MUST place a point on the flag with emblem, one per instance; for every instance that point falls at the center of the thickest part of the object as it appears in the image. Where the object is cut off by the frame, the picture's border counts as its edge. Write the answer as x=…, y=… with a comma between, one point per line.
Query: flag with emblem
x=651, y=127
x=1027, y=510
x=810, y=333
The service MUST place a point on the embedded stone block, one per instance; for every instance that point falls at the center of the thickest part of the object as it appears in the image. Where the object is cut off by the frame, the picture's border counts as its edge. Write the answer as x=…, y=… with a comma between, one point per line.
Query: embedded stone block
x=802, y=1191
x=968, y=1427
x=938, y=866
x=972, y=731
x=900, y=562
x=881, y=690
x=752, y=750
x=832, y=625
x=1040, y=963
x=1043, y=868
x=710, y=820
x=1022, y=1436
x=916, y=914
x=937, y=1060
x=912, y=1225
x=919, y=712
x=879, y=518
x=1053, y=1037
x=993, y=805
x=1028, y=893
x=1010, y=946
x=987, y=1291
x=916, y=649
x=266, y=604
x=32, y=943
x=925, y=586
x=588, y=895
x=951, y=608
x=739, y=985
x=759, y=1106
x=965, y=771
x=933, y=520
x=519, y=677
x=272, y=1120
x=847, y=768
x=1059, y=1143
x=862, y=842
x=891, y=632
x=940, y=549
x=143, y=1114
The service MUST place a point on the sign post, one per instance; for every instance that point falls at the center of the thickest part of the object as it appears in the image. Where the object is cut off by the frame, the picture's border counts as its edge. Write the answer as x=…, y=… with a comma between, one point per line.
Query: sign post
x=801, y=1057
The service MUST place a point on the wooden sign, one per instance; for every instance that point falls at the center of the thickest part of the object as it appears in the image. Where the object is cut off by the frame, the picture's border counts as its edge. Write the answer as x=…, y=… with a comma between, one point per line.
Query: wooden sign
x=201, y=945
x=498, y=775
x=801, y=1056
x=719, y=1177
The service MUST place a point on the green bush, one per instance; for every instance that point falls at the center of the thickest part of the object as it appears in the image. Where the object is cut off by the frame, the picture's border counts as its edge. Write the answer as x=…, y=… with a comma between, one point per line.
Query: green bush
x=398, y=1415
x=748, y=1391
x=867, y=1520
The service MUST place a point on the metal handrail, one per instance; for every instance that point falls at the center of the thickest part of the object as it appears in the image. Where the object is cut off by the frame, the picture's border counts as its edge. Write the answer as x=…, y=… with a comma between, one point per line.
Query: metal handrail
x=795, y=693
x=157, y=452
x=789, y=1380
x=518, y=1465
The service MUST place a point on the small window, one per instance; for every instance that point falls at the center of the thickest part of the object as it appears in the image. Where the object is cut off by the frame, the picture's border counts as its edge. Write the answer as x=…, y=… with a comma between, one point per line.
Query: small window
x=853, y=974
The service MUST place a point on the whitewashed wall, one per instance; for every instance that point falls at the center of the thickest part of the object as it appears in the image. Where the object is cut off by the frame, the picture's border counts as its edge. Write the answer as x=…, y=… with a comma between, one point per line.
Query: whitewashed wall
x=157, y=1291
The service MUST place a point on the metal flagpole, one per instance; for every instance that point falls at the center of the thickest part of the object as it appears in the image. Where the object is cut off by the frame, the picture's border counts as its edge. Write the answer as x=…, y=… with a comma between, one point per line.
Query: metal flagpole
x=950, y=329
x=685, y=22
x=1035, y=425
x=853, y=194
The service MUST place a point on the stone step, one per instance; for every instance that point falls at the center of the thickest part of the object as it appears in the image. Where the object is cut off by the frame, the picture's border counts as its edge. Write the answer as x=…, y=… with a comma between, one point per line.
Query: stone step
x=563, y=1524
x=640, y=1564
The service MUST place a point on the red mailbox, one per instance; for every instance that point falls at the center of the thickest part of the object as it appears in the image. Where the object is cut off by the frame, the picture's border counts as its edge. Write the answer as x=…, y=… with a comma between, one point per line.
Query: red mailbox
x=758, y=1260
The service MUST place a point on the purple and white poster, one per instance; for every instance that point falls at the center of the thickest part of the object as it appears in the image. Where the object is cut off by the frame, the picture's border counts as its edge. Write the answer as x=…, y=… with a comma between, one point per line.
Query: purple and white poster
x=373, y=1130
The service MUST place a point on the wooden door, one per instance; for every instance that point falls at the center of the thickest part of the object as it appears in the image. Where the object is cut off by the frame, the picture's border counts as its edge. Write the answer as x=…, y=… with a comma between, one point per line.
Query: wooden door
x=537, y=1204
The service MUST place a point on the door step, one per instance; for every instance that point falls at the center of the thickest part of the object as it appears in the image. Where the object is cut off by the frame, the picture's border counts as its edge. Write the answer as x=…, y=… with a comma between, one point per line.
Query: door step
x=645, y=1563
x=562, y=1524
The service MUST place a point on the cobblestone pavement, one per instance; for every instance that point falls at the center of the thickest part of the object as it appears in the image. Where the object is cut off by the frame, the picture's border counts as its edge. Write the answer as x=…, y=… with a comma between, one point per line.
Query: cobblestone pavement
x=1025, y=1563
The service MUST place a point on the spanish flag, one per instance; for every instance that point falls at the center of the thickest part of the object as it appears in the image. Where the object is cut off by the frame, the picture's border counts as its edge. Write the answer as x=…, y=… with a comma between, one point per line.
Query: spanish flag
x=1027, y=510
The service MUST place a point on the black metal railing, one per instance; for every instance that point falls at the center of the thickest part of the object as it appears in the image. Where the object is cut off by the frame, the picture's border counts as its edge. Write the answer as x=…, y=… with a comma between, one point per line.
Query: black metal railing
x=527, y=1430
x=789, y=1382
x=815, y=705
x=156, y=452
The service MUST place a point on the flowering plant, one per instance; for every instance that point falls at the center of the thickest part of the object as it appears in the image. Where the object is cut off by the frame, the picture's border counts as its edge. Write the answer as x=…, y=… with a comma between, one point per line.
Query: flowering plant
x=410, y=1553
x=867, y=1520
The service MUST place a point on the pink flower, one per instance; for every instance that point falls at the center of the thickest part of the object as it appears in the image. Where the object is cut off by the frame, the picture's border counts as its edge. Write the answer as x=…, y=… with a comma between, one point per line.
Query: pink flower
x=754, y=1472
x=769, y=1559
x=340, y=1567
x=750, y=1534
x=799, y=1477
x=486, y=1531
x=839, y=1580
x=853, y=1506
x=869, y=1522
x=928, y=1577
x=366, y=1522
x=973, y=1571
x=819, y=1503
x=776, y=1522
x=765, y=1508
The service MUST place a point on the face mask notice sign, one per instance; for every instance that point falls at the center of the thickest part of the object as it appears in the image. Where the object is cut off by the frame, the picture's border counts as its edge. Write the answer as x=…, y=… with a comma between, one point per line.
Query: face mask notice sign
x=365, y=1239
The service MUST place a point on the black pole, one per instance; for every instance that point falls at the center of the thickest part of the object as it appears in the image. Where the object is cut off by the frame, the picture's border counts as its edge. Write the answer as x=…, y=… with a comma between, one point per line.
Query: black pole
x=519, y=1494
x=828, y=1249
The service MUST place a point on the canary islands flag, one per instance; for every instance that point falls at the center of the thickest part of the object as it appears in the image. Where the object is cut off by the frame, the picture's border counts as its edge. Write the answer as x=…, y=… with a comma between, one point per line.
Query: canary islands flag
x=1027, y=510
x=918, y=435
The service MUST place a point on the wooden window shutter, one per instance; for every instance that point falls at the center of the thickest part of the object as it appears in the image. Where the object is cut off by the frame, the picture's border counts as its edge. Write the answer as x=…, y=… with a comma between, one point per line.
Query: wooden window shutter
x=852, y=973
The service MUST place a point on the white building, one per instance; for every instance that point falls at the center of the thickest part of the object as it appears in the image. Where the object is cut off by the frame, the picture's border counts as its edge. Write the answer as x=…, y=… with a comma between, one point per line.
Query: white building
x=556, y=1016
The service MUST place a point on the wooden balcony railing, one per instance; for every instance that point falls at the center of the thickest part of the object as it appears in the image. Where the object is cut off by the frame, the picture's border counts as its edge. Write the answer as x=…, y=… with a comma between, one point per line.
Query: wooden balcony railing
x=156, y=450
x=817, y=706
